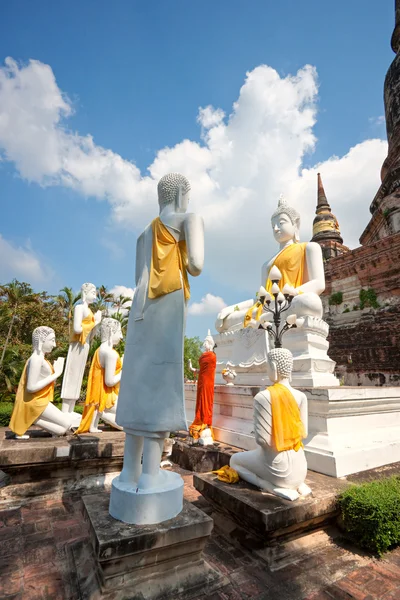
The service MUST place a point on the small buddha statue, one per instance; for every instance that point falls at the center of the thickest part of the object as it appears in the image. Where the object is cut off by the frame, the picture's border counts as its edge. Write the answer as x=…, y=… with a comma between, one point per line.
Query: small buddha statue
x=279, y=464
x=151, y=400
x=33, y=402
x=301, y=266
x=205, y=392
x=83, y=324
x=103, y=380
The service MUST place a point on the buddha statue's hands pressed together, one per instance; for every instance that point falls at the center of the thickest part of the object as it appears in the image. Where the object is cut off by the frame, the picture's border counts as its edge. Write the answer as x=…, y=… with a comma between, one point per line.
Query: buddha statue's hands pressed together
x=301, y=266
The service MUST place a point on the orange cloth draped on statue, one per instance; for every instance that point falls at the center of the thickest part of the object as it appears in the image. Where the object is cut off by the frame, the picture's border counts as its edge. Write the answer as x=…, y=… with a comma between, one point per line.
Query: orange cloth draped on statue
x=287, y=426
x=87, y=325
x=99, y=396
x=205, y=394
x=29, y=406
x=168, y=263
x=291, y=262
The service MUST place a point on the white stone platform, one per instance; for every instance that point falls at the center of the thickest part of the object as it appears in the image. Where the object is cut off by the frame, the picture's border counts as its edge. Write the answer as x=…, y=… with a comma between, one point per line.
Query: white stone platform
x=351, y=429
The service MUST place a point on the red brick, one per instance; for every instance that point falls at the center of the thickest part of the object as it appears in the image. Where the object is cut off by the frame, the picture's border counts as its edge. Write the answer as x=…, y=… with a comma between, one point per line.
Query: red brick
x=354, y=593
x=11, y=584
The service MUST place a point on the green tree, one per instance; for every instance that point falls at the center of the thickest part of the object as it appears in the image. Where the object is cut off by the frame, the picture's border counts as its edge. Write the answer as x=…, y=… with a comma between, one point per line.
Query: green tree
x=67, y=300
x=192, y=351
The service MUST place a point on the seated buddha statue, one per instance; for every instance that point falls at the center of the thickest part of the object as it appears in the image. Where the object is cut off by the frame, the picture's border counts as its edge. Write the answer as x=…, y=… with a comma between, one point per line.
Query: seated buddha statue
x=103, y=381
x=278, y=465
x=301, y=266
x=34, y=400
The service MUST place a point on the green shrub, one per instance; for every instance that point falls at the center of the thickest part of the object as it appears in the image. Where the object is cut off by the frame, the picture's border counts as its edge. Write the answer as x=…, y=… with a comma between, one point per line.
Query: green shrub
x=371, y=514
x=368, y=298
x=6, y=409
x=346, y=310
x=336, y=298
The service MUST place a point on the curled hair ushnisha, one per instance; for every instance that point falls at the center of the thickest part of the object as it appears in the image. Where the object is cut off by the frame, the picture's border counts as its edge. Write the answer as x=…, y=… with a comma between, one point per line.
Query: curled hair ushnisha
x=283, y=359
x=284, y=208
x=108, y=325
x=168, y=187
x=40, y=334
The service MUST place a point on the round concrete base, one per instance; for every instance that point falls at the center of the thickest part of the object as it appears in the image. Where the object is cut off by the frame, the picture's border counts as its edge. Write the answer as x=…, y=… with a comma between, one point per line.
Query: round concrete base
x=147, y=507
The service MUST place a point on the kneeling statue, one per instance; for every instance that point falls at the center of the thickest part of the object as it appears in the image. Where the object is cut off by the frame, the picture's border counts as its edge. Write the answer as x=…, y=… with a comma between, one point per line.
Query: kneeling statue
x=279, y=464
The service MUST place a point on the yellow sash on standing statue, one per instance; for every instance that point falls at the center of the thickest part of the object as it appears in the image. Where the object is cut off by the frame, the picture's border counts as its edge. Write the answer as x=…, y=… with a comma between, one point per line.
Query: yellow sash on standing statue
x=287, y=426
x=291, y=263
x=29, y=406
x=98, y=395
x=87, y=325
x=168, y=263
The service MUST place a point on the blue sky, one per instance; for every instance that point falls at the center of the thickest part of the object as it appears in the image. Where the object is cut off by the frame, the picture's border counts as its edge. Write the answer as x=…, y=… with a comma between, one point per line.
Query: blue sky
x=133, y=75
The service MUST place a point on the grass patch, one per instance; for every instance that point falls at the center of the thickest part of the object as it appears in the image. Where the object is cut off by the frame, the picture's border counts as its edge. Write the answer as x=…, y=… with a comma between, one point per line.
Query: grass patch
x=371, y=514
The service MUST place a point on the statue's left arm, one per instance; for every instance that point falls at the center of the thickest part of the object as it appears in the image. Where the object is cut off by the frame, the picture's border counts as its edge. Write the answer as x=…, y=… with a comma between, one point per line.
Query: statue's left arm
x=110, y=378
x=194, y=236
x=304, y=413
x=314, y=270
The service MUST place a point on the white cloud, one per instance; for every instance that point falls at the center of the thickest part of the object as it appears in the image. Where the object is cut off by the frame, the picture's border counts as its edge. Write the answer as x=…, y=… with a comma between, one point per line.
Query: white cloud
x=377, y=120
x=209, y=305
x=126, y=292
x=237, y=173
x=21, y=263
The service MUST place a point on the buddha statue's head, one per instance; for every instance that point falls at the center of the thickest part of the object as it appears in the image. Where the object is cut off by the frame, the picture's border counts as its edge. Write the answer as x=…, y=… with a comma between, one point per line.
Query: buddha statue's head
x=285, y=222
x=111, y=331
x=174, y=189
x=43, y=339
x=279, y=364
x=88, y=293
x=208, y=344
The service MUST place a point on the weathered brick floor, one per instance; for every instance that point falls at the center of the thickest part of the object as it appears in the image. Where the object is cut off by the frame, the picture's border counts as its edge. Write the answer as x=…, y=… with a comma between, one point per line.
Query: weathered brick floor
x=35, y=562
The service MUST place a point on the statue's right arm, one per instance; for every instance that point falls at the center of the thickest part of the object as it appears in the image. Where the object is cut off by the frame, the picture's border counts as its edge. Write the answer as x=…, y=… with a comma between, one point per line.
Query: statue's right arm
x=78, y=316
x=139, y=258
x=34, y=383
x=194, y=236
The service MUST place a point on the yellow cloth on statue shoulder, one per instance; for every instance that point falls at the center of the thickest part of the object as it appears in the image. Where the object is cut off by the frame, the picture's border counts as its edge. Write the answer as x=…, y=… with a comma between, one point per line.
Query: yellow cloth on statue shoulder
x=29, y=406
x=168, y=263
x=99, y=396
x=227, y=474
x=287, y=426
x=87, y=325
x=291, y=263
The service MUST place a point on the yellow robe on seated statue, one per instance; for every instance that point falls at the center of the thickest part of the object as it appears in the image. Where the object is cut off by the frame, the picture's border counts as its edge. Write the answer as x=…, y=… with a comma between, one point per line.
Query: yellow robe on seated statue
x=99, y=396
x=29, y=406
x=291, y=262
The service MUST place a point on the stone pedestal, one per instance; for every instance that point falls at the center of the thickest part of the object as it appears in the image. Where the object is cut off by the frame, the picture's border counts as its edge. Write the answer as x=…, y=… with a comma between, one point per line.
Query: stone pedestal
x=146, y=507
x=150, y=562
x=350, y=429
x=260, y=518
x=246, y=350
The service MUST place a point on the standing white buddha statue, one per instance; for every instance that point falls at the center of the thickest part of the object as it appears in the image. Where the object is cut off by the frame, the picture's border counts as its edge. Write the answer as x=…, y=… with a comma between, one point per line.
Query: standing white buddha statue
x=33, y=402
x=278, y=465
x=151, y=398
x=301, y=270
x=103, y=381
x=83, y=324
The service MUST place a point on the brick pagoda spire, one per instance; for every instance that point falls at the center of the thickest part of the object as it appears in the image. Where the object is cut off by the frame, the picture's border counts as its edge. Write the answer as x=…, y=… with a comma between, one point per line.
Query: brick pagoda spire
x=326, y=230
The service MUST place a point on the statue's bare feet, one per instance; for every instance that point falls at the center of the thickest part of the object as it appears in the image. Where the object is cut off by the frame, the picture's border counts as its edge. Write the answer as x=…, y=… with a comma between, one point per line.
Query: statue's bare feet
x=148, y=482
x=285, y=493
x=22, y=437
x=95, y=430
x=304, y=490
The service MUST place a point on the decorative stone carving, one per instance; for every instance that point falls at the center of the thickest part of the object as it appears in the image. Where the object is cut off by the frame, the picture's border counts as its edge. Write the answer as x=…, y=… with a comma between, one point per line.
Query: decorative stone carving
x=33, y=402
x=151, y=398
x=278, y=465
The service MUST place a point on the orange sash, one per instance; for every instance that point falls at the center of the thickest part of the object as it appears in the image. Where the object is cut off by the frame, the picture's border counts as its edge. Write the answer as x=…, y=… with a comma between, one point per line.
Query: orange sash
x=168, y=263
x=87, y=325
x=287, y=426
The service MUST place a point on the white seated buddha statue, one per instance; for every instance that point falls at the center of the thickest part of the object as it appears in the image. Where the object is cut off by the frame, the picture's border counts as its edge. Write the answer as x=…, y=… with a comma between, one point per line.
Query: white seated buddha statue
x=278, y=465
x=83, y=325
x=301, y=266
x=103, y=381
x=33, y=402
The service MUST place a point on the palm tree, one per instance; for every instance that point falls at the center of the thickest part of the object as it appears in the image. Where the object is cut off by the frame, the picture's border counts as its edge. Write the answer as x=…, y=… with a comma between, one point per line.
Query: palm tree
x=104, y=298
x=67, y=300
x=14, y=294
x=120, y=303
